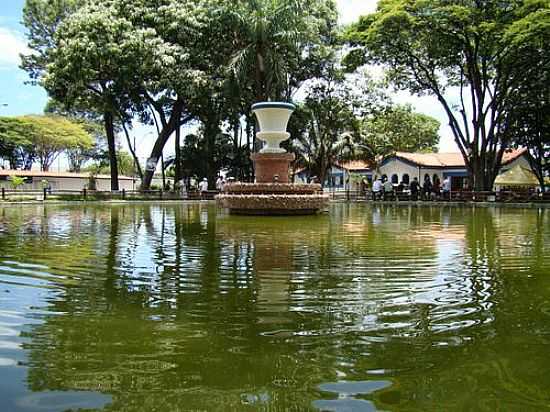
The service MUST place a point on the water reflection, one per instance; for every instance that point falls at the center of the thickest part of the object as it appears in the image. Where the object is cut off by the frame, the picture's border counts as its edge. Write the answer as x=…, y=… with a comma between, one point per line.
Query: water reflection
x=186, y=307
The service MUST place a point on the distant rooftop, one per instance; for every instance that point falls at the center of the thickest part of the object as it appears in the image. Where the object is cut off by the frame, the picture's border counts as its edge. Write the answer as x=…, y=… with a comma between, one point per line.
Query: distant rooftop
x=454, y=159
x=66, y=175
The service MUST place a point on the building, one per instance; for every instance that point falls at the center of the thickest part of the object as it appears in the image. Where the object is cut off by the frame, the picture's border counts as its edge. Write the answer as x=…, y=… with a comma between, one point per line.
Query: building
x=403, y=166
x=342, y=176
x=37, y=180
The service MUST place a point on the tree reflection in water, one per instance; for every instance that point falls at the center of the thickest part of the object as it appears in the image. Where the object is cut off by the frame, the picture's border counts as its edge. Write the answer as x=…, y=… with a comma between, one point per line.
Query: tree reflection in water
x=183, y=307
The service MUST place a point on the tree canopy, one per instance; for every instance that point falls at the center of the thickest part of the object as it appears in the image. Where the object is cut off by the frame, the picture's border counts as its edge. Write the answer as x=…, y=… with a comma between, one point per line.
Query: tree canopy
x=44, y=136
x=395, y=128
x=454, y=48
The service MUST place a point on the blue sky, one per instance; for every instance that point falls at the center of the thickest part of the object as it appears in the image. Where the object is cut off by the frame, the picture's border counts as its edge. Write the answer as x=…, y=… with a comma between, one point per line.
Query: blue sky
x=21, y=98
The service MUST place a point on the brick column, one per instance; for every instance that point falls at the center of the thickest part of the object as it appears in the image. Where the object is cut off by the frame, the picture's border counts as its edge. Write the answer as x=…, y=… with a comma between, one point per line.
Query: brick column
x=267, y=165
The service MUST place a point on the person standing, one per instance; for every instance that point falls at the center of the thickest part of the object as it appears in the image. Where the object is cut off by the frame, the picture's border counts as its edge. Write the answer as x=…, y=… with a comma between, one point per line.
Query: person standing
x=388, y=190
x=193, y=183
x=427, y=188
x=436, y=189
x=377, y=189
x=447, y=188
x=415, y=188
x=203, y=187
x=219, y=183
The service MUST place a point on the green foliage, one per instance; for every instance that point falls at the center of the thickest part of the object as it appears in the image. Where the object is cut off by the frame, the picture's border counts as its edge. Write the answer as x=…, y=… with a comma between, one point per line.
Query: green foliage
x=91, y=123
x=327, y=125
x=16, y=182
x=529, y=114
x=195, y=154
x=434, y=46
x=125, y=163
x=51, y=135
x=281, y=43
x=15, y=146
x=43, y=137
x=393, y=129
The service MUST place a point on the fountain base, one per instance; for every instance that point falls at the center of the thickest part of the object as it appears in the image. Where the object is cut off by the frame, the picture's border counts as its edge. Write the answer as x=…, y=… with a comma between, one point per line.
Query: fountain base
x=273, y=198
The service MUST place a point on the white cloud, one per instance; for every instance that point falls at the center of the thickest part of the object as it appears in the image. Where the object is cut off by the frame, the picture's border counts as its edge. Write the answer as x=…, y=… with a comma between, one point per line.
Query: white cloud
x=350, y=10
x=11, y=45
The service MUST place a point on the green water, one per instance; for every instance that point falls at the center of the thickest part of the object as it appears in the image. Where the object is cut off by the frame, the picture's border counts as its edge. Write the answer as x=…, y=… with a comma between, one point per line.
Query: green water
x=185, y=308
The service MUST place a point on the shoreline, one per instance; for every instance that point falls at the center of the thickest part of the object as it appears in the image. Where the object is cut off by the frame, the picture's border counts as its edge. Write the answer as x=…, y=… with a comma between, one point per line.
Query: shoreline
x=405, y=203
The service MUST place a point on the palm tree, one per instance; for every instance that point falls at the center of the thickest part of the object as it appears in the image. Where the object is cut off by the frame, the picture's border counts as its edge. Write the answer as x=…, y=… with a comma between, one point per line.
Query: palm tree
x=328, y=131
x=275, y=38
x=317, y=150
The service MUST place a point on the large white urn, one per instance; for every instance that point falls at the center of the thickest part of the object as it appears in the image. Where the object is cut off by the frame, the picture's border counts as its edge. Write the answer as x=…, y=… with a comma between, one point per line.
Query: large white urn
x=273, y=118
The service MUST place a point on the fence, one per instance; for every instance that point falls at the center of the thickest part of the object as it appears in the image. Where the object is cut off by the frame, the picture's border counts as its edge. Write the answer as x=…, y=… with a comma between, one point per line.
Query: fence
x=340, y=195
x=47, y=194
x=458, y=196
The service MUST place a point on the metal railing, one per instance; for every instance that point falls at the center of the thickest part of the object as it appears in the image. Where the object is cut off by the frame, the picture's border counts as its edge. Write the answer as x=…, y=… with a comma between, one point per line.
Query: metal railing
x=456, y=196
x=341, y=195
x=85, y=194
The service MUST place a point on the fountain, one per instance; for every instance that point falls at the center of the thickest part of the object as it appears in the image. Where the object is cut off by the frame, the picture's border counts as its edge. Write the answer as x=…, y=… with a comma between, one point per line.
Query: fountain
x=272, y=193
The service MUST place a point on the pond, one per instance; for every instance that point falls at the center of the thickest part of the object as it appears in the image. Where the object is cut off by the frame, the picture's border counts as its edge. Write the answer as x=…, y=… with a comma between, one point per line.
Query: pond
x=183, y=307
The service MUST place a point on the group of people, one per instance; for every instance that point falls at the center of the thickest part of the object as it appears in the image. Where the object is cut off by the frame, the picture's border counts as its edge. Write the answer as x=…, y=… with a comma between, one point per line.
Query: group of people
x=384, y=189
x=194, y=185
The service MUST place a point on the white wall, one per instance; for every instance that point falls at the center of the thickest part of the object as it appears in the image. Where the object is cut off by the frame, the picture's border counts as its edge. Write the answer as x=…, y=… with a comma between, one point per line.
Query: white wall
x=397, y=166
x=73, y=183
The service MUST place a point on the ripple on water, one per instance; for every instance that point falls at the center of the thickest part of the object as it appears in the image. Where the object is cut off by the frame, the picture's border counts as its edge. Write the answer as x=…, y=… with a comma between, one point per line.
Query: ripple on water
x=349, y=388
x=62, y=401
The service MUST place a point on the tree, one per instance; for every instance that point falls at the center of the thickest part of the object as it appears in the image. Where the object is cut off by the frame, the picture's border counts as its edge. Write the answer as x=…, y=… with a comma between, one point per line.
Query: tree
x=326, y=135
x=278, y=42
x=15, y=146
x=16, y=182
x=529, y=116
x=91, y=123
x=440, y=46
x=51, y=135
x=392, y=129
x=99, y=58
x=42, y=18
x=125, y=162
x=196, y=154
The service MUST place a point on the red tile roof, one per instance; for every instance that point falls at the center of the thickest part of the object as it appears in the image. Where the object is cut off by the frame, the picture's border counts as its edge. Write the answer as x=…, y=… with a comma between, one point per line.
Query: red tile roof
x=65, y=175
x=355, y=165
x=450, y=159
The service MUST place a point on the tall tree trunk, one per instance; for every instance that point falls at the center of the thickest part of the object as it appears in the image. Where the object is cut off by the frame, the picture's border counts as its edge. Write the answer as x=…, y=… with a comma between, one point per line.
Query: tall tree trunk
x=163, y=137
x=210, y=132
x=177, y=159
x=110, y=132
x=137, y=166
x=163, y=171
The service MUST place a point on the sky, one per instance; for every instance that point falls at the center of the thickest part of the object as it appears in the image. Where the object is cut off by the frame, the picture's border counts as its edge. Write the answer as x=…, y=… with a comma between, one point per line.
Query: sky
x=23, y=98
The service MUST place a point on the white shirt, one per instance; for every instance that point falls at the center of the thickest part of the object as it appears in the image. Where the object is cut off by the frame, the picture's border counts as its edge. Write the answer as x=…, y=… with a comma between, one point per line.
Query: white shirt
x=203, y=186
x=447, y=185
x=377, y=186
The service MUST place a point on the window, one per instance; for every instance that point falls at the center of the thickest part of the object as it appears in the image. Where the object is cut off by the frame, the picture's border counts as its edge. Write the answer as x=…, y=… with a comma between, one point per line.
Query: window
x=395, y=179
x=406, y=179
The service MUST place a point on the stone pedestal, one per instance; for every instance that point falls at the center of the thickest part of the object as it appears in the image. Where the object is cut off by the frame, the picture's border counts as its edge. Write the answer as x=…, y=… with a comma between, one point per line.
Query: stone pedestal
x=269, y=165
